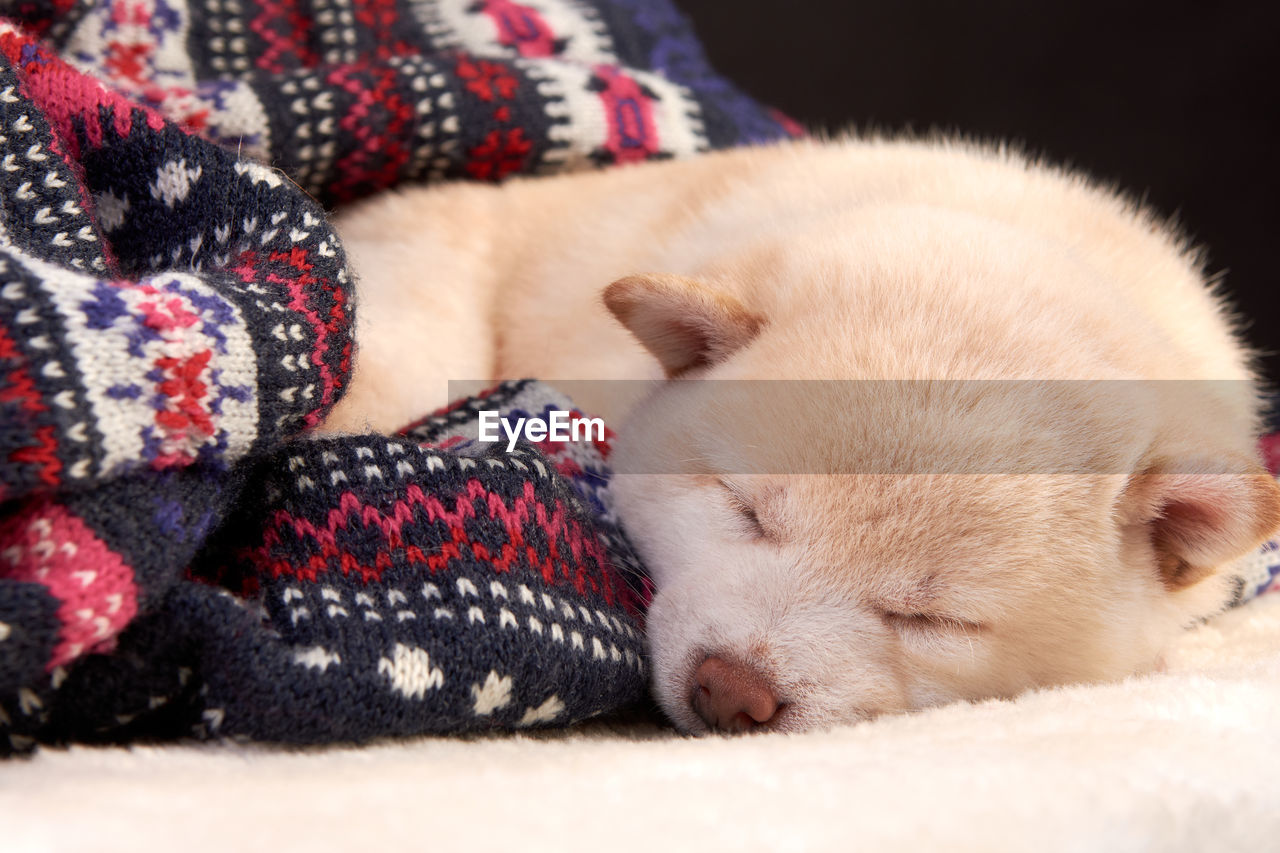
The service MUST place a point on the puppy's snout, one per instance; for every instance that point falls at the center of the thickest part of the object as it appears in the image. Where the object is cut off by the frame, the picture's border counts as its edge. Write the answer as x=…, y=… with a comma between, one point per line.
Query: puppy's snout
x=732, y=697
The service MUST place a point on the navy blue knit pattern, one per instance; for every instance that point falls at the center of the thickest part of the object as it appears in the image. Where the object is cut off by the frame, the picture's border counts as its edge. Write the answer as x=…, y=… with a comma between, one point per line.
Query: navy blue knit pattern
x=177, y=558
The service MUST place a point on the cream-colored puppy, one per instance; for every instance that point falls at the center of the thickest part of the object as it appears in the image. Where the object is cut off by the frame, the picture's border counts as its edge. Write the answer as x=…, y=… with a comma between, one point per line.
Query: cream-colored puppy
x=826, y=549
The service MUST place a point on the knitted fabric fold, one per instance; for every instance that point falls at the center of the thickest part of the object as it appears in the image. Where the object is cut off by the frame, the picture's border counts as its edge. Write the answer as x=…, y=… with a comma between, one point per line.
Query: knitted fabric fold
x=174, y=313
x=165, y=311
x=377, y=586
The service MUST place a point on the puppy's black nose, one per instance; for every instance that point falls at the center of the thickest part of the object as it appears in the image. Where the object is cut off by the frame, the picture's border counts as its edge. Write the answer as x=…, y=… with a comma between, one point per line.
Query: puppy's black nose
x=732, y=697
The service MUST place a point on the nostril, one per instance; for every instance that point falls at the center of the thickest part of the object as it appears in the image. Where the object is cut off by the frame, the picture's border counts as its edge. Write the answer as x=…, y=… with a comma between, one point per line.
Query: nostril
x=733, y=697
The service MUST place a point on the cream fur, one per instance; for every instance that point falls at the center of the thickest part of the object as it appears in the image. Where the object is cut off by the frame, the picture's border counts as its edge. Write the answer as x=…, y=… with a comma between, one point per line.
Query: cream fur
x=852, y=260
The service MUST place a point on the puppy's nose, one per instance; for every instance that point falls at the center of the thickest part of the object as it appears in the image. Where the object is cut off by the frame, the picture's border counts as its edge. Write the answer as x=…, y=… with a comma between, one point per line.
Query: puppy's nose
x=732, y=697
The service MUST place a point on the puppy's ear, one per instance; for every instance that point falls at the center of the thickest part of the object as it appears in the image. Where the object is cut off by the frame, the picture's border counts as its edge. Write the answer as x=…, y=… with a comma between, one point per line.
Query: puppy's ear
x=1202, y=513
x=685, y=324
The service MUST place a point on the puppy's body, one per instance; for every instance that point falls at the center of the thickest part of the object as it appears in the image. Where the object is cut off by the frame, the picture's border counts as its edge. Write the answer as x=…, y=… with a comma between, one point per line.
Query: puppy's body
x=474, y=282
x=974, y=567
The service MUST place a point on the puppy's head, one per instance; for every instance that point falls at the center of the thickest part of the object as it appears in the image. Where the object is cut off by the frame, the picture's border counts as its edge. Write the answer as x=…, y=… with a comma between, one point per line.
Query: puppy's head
x=826, y=551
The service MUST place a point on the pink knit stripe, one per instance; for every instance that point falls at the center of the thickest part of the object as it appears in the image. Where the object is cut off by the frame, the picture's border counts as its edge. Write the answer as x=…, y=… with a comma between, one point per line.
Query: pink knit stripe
x=46, y=544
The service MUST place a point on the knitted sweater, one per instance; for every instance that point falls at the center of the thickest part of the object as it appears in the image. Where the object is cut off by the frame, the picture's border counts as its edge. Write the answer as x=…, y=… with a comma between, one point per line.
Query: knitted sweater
x=176, y=558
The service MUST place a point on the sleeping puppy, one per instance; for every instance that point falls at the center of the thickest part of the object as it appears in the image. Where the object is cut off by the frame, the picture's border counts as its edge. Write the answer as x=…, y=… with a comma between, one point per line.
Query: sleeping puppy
x=980, y=479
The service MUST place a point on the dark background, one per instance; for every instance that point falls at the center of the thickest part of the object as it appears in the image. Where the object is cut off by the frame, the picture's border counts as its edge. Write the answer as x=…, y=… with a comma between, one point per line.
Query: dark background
x=1176, y=103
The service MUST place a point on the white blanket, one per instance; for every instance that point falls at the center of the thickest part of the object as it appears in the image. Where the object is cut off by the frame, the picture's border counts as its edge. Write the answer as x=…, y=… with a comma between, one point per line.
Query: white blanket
x=1188, y=759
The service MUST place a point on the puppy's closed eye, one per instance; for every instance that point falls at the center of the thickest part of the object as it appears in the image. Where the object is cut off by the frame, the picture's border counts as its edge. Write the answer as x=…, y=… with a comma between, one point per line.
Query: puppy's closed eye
x=748, y=512
x=928, y=621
